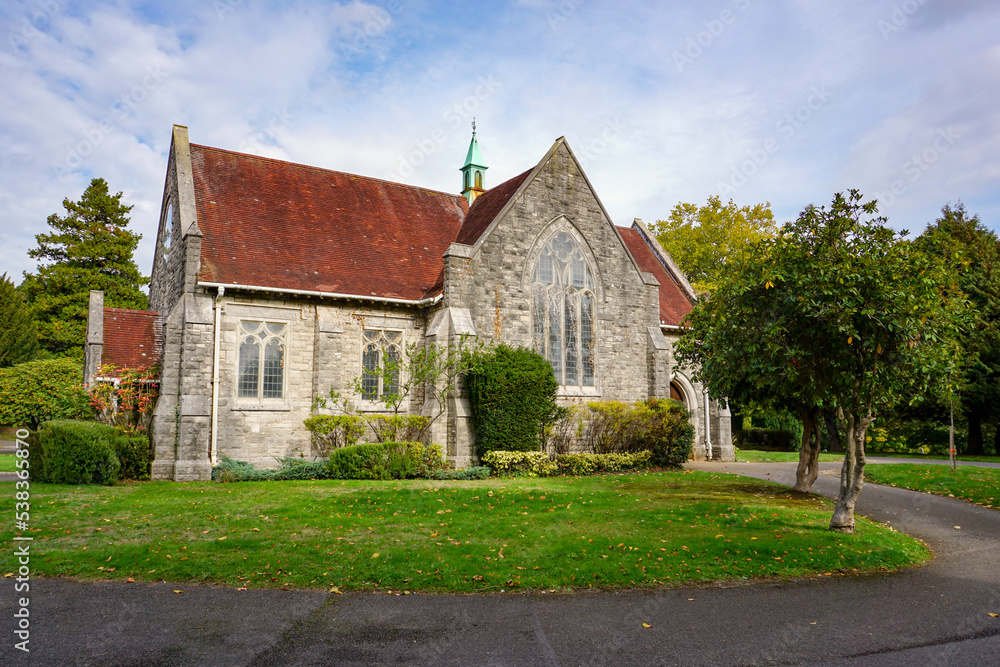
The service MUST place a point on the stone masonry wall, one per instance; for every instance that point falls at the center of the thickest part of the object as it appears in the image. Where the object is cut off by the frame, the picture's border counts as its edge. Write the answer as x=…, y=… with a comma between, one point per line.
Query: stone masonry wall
x=493, y=280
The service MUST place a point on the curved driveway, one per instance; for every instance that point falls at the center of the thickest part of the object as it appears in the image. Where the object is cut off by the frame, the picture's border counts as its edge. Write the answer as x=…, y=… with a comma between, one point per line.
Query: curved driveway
x=935, y=615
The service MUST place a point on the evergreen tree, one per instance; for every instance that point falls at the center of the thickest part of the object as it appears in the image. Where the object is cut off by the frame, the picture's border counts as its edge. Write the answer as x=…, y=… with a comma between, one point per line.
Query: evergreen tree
x=971, y=252
x=90, y=248
x=18, y=341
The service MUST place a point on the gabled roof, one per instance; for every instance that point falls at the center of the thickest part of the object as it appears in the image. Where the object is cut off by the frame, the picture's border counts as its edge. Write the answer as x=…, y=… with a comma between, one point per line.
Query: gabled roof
x=486, y=207
x=132, y=338
x=275, y=224
x=674, y=303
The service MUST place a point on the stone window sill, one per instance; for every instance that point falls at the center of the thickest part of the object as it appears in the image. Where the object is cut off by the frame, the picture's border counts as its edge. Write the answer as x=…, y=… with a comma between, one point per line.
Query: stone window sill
x=267, y=406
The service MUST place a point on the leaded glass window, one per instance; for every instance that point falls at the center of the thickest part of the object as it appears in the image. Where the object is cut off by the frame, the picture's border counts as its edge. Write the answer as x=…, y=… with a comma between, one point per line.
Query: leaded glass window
x=563, y=311
x=380, y=362
x=262, y=360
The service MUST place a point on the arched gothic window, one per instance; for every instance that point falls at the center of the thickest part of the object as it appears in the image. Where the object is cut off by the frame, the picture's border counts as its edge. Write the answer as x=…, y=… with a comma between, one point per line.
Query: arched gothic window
x=262, y=360
x=563, y=311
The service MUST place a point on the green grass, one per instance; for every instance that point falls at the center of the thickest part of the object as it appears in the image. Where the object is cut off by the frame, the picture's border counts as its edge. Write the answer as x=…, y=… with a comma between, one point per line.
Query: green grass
x=7, y=463
x=638, y=530
x=755, y=456
x=978, y=485
x=936, y=457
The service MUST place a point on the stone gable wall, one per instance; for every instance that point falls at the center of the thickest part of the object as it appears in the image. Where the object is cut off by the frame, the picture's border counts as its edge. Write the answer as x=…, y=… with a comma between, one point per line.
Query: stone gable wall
x=493, y=281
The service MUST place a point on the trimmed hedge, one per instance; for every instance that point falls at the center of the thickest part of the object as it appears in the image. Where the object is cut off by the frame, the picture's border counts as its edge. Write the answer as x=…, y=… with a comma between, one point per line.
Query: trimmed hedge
x=75, y=452
x=330, y=432
x=512, y=398
x=541, y=465
x=66, y=451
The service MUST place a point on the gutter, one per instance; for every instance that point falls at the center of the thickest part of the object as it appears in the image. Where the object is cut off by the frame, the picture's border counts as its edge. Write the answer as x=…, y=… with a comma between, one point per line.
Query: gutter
x=327, y=295
x=215, y=375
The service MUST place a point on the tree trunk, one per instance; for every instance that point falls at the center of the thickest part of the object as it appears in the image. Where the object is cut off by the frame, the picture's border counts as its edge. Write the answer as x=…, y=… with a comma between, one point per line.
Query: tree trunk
x=808, y=468
x=852, y=475
x=833, y=430
x=974, y=443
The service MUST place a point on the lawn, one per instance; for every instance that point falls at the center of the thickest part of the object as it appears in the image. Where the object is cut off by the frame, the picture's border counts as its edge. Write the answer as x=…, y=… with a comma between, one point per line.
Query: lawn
x=638, y=530
x=7, y=463
x=755, y=456
x=975, y=484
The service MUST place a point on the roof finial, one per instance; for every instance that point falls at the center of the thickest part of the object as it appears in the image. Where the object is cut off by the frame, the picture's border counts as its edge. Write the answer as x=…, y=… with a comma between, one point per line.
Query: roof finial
x=473, y=126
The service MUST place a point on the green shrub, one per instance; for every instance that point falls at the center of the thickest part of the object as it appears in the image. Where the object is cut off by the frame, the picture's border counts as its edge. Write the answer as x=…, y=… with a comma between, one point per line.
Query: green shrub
x=538, y=464
x=669, y=435
x=231, y=470
x=133, y=452
x=472, y=472
x=75, y=452
x=380, y=460
x=330, y=432
x=38, y=391
x=660, y=426
x=520, y=463
x=512, y=398
x=398, y=428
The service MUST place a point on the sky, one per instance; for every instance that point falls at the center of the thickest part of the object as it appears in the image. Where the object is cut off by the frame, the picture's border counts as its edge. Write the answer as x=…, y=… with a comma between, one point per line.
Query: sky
x=784, y=101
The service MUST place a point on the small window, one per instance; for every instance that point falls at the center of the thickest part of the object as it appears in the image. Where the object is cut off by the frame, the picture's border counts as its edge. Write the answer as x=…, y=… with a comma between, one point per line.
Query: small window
x=168, y=227
x=262, y=360
x=479, y=180
x=380, y=363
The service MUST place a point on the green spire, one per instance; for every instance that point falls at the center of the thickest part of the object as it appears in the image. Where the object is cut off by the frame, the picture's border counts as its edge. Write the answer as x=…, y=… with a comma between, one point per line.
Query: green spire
x=474, y=171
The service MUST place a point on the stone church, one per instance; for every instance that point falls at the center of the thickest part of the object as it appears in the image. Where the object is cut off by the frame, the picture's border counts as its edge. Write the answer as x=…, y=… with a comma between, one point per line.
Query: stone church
x=273, y=282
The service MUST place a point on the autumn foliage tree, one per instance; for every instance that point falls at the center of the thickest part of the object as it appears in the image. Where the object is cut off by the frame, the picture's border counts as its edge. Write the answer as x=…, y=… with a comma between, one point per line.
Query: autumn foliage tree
x=704, y=239
x=837, y=312
x=90, y=248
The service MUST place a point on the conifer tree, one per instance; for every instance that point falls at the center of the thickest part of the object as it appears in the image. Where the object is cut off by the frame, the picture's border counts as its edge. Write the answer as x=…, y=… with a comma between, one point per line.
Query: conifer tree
x=18, y=342
x=89, y=248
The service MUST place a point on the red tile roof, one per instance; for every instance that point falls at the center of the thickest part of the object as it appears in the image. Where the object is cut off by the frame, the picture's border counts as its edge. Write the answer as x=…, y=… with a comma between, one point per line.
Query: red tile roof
x=276, y=224
x=132, y=338
x=486, y=207
x=674, y=304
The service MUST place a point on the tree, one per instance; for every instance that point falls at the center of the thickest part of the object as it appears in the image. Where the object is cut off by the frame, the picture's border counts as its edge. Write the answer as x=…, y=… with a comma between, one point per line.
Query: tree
x=90, y=248
x=703, y=240
x=18, y=342
x=837, y=312
x=971, y=252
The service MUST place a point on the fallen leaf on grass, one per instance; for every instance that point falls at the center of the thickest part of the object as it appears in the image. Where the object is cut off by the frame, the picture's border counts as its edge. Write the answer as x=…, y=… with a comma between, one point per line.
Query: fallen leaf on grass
x=375, y=555
x=130, y=580
x=336, y=590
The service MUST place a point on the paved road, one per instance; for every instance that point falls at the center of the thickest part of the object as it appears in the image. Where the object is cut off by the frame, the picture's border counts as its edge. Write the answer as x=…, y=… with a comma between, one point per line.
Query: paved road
x=935, y=615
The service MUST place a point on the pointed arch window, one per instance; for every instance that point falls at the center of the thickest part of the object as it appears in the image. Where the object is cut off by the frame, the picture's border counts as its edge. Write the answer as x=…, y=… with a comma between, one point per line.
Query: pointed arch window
x=262, y=360
x=563, y=311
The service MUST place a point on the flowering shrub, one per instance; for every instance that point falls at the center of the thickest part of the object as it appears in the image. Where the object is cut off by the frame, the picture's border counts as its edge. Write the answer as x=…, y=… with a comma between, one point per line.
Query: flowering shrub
x=126, y=401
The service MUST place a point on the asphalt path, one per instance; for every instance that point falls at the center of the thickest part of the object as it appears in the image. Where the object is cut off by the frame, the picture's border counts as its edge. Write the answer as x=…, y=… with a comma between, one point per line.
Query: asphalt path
x=934, y=615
